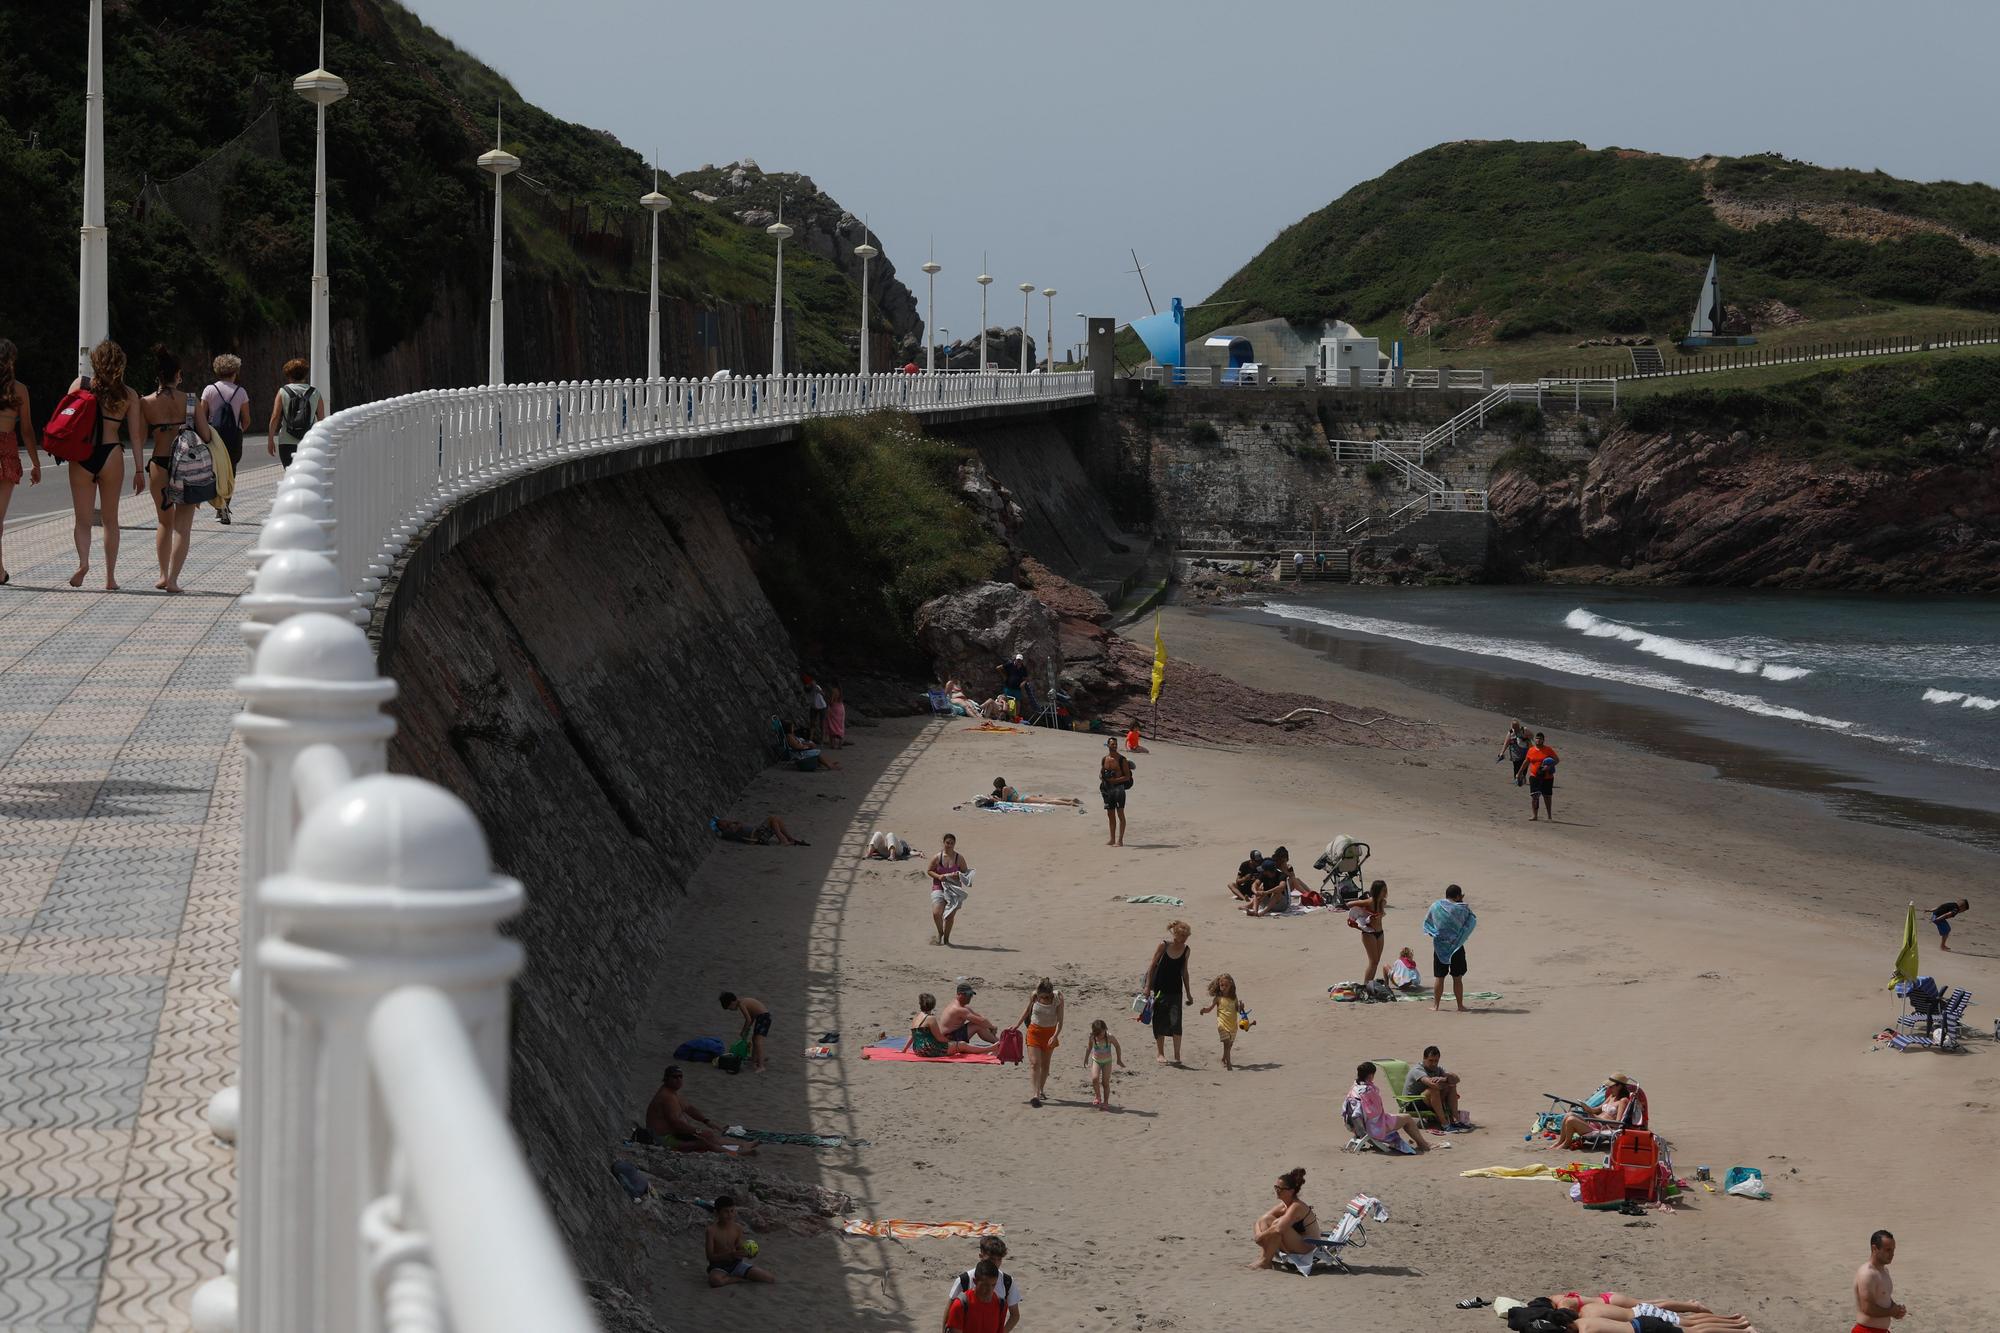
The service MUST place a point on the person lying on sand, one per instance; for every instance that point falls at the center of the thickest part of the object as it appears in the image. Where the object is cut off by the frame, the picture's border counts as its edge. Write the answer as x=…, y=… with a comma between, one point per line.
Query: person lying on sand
x=886, y=846
x=1003, y=792
x=771, y=830
x=1597, y=1316
x=926, y=1037
x=679, y=1124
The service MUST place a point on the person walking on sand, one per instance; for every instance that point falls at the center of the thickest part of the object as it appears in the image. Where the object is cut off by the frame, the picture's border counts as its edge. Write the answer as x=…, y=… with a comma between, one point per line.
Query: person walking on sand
x=168, y=412
x=1540, y=765
x=227, y=406
x=949, y=872
x=17, y=428
x=1365, y=915
x=1229, y=1012
x=294, y=409
x=1167, y=982
x=98, y=481
x=1043, y=1019
x=1941, y=915
x=1449, y=923
x=756, y=1024
x=1114, y=779
x=1103, y=1049
x=995, y=1249
x=1874, y=1290
x=1514, y=750
x=982, y=1309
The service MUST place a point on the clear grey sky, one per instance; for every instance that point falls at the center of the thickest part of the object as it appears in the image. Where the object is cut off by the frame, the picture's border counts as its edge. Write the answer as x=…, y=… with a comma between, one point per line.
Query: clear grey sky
x=1055, y=136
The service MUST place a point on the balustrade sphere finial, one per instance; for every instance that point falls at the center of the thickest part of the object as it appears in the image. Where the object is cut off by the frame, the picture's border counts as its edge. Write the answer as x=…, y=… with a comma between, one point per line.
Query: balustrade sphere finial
x=391, y=831
x=291, y=532
x=316, y=647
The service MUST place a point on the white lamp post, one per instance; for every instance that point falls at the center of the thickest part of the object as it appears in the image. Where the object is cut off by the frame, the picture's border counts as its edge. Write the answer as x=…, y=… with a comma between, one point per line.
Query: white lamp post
x=499, y=162
x=322, y=90
x=93, y=286
x=1083, y=348
x=779, y=231
x=1049, y=352
x=1027, y=290
x=985, y=280
x=655, y=203
x=931, y=267
x=866, y=252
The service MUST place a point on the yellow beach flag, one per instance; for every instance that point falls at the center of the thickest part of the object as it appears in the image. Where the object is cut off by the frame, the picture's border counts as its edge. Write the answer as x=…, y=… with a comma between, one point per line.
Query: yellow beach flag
x=1160, y=667
x=1906, y=957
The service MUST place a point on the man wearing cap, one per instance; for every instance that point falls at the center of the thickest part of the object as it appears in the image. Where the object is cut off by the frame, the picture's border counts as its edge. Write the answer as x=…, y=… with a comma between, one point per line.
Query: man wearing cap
x=1624, y=1108
x=960, y=1022
x=678, y=1123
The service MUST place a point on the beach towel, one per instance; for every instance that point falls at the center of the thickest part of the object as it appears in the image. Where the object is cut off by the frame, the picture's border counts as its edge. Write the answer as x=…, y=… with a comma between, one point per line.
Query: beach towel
x=891, y=1049
x=1346, y=994
x=1539, y=1171
x=1161, y=899
x=1299, y=909
x=1449, y=925
x=1015, y=807
x=795, y=1140
x=989, y=726
x=898, y=1229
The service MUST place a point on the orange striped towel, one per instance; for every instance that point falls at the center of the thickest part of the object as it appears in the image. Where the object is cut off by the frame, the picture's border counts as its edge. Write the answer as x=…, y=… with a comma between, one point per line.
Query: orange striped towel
x=897, y=1228
x=989, y=726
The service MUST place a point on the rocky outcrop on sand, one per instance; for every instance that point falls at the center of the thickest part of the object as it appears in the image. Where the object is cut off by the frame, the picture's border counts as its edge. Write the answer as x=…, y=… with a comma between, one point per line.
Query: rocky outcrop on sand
x=1726, y=509
x=966, y=634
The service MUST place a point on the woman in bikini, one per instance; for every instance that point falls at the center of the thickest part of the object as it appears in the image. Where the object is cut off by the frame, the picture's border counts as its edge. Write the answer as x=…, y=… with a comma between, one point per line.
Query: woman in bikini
x=925, y=1039
x=95, y=482
x=1286, y=1227
x=1043, y=1018
x=166, y=412
x=946, y=865
x=1103, y=1049
x=1365, y=915
x=17, y=427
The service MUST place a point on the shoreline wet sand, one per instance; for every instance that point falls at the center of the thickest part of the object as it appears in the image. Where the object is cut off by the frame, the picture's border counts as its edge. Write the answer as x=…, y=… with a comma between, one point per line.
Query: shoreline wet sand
x=1724, y=944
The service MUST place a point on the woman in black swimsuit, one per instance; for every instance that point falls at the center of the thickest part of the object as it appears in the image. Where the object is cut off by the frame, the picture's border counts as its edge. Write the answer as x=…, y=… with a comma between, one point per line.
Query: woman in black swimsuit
x=167, y=411
x=1167, y=982
x=1291, y=1226
x=94, y=483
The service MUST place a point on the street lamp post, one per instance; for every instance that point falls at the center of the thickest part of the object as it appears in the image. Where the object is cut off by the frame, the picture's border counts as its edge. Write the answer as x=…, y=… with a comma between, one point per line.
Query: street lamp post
x=93, y=317
x=322, y=90
x=499, y=162
x=931, y=268
x=1027, y=290
x=866, y=252
x=1049, y=352
x=984, y=280
x=655, y=203
x=1082, y=348
x=779, y=230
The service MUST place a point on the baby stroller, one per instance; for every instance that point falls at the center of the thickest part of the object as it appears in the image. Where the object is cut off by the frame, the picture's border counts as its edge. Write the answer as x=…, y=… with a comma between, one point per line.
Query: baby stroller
x=1350, y=1233
x=1342, y=861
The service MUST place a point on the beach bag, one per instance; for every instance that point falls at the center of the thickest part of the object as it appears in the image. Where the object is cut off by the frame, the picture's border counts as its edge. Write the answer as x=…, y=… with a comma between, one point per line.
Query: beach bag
x=190, y=472
x=1141, y=1006
x=1008, y=1048
x=700, y=1050
x=1602, y=1188
x=71, y=434
x=297, y=414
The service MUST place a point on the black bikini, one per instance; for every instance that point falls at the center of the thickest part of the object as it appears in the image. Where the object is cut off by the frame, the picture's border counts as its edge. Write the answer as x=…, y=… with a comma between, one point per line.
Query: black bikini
x=104, y=451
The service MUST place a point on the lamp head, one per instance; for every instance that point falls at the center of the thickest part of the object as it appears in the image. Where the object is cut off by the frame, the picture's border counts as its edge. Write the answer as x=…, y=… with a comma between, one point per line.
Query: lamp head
x=498, y=161
x=1027, y=287
x=320, y=88
x=778, y=230
x=932, y=266
x=866, y=251
x=1049, y=292
x=984, y=279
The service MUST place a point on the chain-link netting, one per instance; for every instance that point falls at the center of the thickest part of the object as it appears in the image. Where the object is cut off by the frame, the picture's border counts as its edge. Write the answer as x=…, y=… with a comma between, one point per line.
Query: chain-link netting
x=195, y=196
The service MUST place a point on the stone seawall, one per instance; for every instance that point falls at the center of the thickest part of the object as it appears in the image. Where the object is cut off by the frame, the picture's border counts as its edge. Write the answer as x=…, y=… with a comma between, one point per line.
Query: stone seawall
x=1067, y=525
x=592, y=673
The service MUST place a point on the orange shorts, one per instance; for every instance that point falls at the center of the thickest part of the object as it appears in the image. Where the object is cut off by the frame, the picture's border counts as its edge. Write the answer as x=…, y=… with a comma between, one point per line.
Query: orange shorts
x=1042, y=1038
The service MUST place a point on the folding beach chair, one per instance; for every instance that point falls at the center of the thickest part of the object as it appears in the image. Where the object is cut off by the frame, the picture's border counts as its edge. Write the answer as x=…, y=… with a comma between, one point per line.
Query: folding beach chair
x=1395, y=1145
x=1934, y=1020
x=1349, y=1234
x=1396, y=1071
x=940, y=704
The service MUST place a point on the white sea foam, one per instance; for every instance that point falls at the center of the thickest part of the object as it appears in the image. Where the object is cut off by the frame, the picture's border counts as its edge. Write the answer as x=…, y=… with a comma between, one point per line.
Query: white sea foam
x=1962, y=699
x=1556, y=659
x=1679, y=650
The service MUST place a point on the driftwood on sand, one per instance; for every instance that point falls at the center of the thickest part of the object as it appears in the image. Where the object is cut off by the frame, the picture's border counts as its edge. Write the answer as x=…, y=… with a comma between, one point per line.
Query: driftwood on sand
x=1300, y=717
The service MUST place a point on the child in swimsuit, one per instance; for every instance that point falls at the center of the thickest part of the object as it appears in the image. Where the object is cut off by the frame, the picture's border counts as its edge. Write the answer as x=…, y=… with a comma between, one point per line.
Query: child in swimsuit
x=1229, y=1011
x=1104, y=1048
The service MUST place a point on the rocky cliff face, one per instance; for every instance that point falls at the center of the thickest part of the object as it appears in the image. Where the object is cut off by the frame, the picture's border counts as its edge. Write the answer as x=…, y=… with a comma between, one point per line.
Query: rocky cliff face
x=1725, y=509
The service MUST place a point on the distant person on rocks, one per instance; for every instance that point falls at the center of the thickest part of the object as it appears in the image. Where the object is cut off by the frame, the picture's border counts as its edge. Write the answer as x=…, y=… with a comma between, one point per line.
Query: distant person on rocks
x=995, y=1249
x=1540, y=766
x=1941, y=915
x=729, y=1253
x=1168, y=983
x=948, y=871
x=1114, y=779
x=1514, y=750
x=98, y=481
x=756, y=1024
x=679, y=1124
x=294, y=409
x=981, y=1310
x=227, y=405
x=17, y=427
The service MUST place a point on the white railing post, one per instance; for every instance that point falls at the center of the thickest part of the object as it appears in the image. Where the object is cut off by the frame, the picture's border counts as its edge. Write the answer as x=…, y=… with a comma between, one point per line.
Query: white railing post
x=313, y=682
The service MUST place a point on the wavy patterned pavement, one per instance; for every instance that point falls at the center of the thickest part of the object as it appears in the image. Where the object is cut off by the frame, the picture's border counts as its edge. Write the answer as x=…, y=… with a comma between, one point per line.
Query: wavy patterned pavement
x=120, y=796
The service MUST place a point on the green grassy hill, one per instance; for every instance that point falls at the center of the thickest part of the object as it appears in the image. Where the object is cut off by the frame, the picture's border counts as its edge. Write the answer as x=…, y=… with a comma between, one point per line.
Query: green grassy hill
x=222, y=247
x=1527, y=248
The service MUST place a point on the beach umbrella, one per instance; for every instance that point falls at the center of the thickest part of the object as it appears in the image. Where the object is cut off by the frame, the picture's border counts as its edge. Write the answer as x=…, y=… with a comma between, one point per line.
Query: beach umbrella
x=1906, y=957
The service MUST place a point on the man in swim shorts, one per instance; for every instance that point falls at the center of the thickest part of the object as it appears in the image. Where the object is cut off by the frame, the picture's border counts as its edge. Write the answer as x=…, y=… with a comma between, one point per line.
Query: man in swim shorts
x=1874, y=1289
x=679, y=1124
x=960, y=1022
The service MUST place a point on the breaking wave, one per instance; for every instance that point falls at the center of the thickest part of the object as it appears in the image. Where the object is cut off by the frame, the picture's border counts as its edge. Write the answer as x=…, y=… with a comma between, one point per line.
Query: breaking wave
x=1962, y=699
x=1678, y=650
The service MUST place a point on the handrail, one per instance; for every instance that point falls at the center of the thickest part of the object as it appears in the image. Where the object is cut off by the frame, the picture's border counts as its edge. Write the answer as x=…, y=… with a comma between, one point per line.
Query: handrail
x=501, y=1264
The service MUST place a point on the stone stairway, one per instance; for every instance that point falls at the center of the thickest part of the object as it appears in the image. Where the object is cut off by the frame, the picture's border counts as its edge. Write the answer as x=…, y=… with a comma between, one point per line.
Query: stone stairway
x=1647, y=361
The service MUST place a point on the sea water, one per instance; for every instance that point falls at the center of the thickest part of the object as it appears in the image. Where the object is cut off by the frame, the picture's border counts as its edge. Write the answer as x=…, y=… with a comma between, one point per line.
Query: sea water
x=1887, y=706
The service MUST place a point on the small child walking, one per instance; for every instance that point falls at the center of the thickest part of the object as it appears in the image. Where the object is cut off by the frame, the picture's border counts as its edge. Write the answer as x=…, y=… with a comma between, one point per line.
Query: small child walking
x=756, y=1024
x=1102, y=1050
x=1230, y=1015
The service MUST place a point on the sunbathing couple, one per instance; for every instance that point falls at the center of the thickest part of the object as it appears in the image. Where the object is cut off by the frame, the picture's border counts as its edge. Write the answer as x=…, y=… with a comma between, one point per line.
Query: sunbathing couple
x=1614, y=1312
x=1265, y=885
x=951, y=1032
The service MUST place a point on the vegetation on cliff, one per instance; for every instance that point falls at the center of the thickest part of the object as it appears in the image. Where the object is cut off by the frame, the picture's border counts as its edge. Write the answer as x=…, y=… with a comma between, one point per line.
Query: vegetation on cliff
x=219, y=243
x=1485, y=241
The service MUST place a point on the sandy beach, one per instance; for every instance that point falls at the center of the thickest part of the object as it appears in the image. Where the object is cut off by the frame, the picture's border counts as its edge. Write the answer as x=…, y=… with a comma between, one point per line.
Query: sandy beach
x=1725, y=945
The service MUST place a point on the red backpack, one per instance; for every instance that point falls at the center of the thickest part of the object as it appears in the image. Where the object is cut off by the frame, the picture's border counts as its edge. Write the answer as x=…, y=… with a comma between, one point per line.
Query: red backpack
x=71, y=434
x=1007, y=1048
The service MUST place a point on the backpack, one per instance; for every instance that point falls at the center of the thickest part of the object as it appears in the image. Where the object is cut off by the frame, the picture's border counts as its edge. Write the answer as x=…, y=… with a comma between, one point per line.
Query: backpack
x=297, y=416
x=71, y=434
x=1007, y=1047
x=700, y=1050
x=229, y=426
x=190, y=471
x=1004, y=1288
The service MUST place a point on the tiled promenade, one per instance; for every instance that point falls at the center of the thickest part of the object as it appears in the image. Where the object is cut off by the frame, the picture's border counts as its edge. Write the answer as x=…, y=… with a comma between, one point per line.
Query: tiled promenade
x=120, y=795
